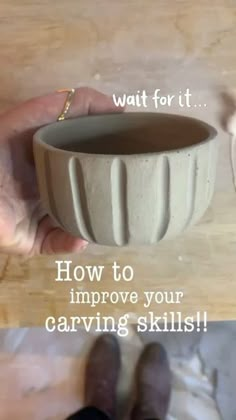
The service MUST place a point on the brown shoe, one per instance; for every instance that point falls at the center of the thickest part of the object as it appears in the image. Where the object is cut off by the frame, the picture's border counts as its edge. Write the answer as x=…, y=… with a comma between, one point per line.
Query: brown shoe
x=102, y=373
x=153, y=384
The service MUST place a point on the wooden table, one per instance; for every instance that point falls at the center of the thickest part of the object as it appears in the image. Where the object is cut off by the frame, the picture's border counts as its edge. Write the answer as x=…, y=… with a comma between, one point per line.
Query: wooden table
x=124, y=47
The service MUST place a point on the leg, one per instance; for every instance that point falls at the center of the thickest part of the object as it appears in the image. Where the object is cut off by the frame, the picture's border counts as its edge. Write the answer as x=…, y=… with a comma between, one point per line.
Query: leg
x=153, y=381
x=101, y=378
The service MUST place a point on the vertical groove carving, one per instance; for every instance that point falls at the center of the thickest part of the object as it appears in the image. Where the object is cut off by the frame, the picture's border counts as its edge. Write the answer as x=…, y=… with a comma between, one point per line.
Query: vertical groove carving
x=119, y=201
x=50, y=189
x=191, y=189
x=79, y=199
x=163, y=217
x=209, y=172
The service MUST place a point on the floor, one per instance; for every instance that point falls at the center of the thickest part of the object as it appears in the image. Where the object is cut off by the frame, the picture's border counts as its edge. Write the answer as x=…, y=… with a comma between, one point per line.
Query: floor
x=41, y=374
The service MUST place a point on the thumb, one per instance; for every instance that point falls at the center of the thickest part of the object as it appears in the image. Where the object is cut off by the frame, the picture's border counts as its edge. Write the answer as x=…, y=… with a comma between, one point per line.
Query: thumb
x=51, y=239
x=59, y=242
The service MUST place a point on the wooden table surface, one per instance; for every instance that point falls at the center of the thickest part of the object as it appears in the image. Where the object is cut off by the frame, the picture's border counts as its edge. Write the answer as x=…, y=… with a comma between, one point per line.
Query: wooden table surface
x=122, y=47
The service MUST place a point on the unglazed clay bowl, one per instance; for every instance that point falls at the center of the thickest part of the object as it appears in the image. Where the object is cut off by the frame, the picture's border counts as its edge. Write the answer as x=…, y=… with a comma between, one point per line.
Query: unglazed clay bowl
x=132, y=178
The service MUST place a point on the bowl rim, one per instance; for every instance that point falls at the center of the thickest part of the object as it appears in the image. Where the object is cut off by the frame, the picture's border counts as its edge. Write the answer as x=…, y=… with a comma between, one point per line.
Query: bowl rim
x=37, y=137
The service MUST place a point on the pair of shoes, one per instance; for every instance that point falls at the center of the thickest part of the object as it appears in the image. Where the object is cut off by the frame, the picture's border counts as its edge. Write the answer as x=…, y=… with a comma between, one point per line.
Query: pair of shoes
x=153, y=379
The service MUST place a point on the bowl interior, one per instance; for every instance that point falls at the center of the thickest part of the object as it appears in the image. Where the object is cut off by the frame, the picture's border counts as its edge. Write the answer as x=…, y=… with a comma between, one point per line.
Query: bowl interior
x=125, y=134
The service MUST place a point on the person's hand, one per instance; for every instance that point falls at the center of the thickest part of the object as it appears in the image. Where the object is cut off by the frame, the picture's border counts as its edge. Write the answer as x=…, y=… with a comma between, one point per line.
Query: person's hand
x=24, y=226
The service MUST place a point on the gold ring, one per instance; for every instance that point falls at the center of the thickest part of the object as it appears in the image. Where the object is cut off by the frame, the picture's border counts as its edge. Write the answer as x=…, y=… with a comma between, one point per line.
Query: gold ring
x=70, y=96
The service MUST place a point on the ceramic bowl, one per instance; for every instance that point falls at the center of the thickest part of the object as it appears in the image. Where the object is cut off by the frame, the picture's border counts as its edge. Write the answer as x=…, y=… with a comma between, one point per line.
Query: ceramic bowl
x=132, y=178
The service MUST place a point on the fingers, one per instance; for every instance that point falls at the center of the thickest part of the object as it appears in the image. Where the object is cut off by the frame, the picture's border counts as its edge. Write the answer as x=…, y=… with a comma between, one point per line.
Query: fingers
x=89, y=101
x=60, y=242
x=46, y=109
x=53, y=240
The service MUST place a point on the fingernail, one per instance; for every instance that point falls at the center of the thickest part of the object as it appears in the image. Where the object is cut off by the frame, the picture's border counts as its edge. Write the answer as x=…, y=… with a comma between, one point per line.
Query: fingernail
x=84, y=246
